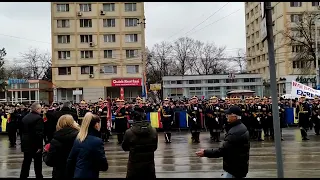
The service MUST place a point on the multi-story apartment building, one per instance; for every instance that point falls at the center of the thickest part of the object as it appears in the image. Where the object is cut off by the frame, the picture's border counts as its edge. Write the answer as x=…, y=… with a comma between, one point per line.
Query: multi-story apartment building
x=284, y=14
x=97, y=48
x=206, y=86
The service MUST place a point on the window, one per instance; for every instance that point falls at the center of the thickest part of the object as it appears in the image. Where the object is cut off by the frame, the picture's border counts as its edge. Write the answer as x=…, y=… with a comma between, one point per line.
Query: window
x=109, y=38
x=231, y=80
x=315, y=3
x=297, y=48
x=247, y=16
x=131, y=38
x=63, y=23
x=86, y=54
x=64, y=70
x=296, y=18
x=107, y=69
x=133, y=69
x=249, y=80
x=85, y=23
x=295, y=4
x=85, y=7
x=194, y=81
x=108, y=7
x=108, y=54
x=86, y=69
x=131, y=53
x=213, y=81
x=63, y=7
x=130, y=7
x=109, y=23
x=63, y=54
x=63, y=39
x=131, y=22
x=179, y=82
x=85, y=38
x=195, y=91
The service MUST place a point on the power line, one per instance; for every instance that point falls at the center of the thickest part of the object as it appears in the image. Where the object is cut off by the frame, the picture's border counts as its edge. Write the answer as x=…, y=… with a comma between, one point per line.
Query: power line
x=24, y=38
x=216, y=21
x=207, y=18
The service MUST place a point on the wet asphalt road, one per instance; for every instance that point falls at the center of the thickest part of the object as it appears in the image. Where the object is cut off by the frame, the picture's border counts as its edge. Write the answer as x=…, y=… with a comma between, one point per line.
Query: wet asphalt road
x=301, y=159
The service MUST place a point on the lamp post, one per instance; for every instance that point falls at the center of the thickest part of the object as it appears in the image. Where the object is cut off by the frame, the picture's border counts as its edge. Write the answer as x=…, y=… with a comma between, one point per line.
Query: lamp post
x=143, y=56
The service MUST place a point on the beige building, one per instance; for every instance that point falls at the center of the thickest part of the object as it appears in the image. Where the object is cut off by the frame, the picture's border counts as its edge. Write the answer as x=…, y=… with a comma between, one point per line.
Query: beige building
x=283, y=15
x=97, y=48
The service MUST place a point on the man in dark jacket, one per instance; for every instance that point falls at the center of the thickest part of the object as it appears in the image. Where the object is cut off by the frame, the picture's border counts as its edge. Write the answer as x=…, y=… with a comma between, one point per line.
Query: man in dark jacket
x=235, y=149
x=66, y=109
x=141, y=140
x=32, y=141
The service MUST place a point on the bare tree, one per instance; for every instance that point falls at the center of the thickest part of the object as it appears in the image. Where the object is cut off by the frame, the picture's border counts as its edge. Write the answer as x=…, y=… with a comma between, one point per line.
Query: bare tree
x=3, y=83
x=209, y=59
x=300, y=37
x=18, y=71
x=183, y=49
x=36, y=62
x=240, y=61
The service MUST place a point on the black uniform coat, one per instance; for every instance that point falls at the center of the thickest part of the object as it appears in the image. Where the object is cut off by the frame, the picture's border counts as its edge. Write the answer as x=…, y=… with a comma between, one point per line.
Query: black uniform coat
x=234, y=150
x=64, y=111
x=33, y=129
x=141, y=140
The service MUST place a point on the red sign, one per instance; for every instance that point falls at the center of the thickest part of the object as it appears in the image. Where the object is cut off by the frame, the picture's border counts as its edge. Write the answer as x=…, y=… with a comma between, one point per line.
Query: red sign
x=126, y=82
x=121, y=93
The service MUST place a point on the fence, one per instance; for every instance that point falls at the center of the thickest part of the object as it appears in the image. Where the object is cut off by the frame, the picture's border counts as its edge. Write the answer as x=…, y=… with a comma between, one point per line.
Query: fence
x=180, y=119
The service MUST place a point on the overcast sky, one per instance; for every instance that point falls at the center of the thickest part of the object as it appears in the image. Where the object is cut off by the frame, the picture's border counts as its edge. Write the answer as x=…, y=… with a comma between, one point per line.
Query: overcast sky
x=25, y=21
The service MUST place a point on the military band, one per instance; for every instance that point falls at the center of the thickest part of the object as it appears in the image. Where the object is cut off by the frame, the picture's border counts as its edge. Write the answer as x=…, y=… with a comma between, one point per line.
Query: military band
x=167, y=114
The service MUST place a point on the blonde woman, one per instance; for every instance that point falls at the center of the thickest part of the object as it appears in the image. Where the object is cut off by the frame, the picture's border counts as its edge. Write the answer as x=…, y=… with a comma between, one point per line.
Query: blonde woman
x=57, y=152
x=87, y=156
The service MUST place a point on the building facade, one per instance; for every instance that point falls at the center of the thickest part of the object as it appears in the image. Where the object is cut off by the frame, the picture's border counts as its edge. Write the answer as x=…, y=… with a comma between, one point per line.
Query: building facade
x=284, y=15
x=205, y=86
x=95, y=44
x=27, y=91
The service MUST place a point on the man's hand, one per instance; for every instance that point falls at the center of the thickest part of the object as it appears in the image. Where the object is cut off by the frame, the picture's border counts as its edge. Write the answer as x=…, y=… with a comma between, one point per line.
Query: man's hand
x=200, y=153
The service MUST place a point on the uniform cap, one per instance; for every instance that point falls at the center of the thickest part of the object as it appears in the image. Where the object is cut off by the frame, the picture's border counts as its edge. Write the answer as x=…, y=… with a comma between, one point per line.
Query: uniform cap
x=257, y=97
x=213, y=97
x=100, y=99
x=138, y=98
x=316, y=97
x=194, y=97
x=226, y=98
x=120, y=100
x=83, y=102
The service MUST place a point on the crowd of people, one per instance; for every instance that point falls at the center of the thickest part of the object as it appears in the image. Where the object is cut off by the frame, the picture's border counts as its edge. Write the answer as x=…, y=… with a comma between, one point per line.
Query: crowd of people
x=59, y=125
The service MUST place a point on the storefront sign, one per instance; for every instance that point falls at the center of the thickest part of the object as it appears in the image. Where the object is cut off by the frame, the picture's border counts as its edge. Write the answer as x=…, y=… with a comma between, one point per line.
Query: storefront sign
x=298, y=89
x=126, y=82
x=18, y=81
x=155, y=87
x=302, y=79
x=77, y=92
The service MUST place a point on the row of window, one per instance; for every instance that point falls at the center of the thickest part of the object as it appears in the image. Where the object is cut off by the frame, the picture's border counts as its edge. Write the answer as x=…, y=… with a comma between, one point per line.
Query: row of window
x=304, y=64
x=87, y=23
x=212, y=81
x=107, y=69
x=107, y=38
x=107, y=54
x=108, y=7
x=218, y=88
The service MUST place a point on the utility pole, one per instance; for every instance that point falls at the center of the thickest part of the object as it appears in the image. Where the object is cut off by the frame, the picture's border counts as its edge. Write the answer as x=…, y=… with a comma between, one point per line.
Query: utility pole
x=143, y=55
x=316, y=50
x=273, y=83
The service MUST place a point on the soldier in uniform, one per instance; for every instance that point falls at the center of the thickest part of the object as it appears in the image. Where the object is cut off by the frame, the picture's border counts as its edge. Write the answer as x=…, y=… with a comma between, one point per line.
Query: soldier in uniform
x=283, y=122
x=83, y=109
x=103, y=112
x=194, y=116
x=167, y=114
x=315, y=117
x=258, y=116
x=139, y=102
x=12, y=125
x=245, y=113
x=303, y=112
x=270, y=118
x=264, y=120
x=214, y=119
x=121, y=121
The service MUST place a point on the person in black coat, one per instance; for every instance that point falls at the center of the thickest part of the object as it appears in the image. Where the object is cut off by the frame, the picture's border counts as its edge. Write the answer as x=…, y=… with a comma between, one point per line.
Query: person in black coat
x=32, y=141
x=66, y=109
x=23, y=112
x=60, y=146
x=87, y=156
x=141, y=140
x=235, y=148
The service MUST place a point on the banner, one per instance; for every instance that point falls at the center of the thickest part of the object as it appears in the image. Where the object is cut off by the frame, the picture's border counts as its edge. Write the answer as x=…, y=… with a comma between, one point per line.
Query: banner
x=298, y=89
x=125, y=82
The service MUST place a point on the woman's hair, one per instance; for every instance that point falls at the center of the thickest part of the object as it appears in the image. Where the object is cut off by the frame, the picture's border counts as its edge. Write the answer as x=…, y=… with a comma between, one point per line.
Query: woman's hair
x=66, y=121
x=89, y=121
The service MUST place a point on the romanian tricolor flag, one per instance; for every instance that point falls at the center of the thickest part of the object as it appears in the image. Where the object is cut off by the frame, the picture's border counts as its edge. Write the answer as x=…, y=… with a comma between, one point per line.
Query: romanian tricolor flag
x=155, y=119
x=45, y=119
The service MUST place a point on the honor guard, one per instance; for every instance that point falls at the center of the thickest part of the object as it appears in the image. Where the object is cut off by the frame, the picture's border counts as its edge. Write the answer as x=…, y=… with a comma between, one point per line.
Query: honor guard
x=303, y=112
x=193, y=111
x=281, y=108
x=258, y=118
x=83, y=109
x=167, y=114
x=245, y=108
x=121, y=121
x=11, y=126
x=103, y=112
x=213, y=119
x=315, y=117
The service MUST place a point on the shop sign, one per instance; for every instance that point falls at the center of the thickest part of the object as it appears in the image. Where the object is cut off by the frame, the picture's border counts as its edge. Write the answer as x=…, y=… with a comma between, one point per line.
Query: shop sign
x=18, y=81
x=302, y=79
x=155, y=87
x=127, y=82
